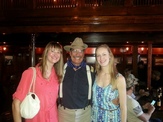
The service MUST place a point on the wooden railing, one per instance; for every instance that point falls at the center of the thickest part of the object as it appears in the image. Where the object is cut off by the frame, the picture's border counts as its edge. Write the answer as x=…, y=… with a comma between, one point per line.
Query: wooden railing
x=45, y=4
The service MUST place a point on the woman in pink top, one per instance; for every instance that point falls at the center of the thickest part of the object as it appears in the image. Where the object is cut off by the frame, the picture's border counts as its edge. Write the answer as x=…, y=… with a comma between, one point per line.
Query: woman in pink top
x=48, y=75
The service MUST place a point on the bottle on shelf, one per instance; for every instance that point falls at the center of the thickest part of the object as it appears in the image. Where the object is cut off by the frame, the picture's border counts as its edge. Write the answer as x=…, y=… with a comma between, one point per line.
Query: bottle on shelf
x=160, y=91
x=159, y=102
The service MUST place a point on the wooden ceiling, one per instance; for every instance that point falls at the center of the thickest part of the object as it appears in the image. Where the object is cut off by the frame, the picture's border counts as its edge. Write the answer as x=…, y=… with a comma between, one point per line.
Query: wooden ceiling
x=129, y=20
x=126, y=17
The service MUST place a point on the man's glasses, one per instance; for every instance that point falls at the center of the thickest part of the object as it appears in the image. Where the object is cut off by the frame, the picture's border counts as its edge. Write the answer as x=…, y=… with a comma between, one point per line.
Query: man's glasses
x=77, y=51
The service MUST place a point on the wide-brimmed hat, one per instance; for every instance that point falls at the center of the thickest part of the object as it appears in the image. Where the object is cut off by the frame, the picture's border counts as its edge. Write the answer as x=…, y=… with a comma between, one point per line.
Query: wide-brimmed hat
x=76, y=44
x=130, y=82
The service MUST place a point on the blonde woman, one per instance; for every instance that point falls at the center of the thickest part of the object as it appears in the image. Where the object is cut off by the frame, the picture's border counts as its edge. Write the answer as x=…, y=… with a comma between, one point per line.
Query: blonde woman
x=109, y=89
x=48, y=75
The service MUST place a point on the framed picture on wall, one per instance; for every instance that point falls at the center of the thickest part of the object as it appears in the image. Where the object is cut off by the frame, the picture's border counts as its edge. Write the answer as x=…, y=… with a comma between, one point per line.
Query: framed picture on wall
x=90, y=59
x=144, y=59
x=158, y=61
x=8, y=60
x=117, y=59
x=129, y=60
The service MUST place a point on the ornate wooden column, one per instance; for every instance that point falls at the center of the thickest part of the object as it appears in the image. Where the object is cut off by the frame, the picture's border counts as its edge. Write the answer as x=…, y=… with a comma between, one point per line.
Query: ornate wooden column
x=149, y=68
x=33, y=38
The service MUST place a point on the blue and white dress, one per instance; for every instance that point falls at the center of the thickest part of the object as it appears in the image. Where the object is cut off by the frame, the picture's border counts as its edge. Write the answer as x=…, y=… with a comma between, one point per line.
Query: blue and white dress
x=103, y=110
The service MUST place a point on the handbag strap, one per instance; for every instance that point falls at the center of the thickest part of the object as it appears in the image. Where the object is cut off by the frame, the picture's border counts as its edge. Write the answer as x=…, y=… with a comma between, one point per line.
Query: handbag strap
x=33, y=80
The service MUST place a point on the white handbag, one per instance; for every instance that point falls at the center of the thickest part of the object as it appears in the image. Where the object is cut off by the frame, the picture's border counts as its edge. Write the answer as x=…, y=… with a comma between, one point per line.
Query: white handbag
x=30, y=106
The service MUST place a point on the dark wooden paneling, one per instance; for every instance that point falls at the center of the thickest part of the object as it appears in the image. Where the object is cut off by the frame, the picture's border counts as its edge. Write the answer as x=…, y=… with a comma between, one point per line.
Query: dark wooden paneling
x=84, y=28
x=84, y=19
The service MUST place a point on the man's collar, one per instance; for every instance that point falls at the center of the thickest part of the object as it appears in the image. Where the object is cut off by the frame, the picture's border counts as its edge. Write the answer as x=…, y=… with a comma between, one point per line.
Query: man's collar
x=70, y=64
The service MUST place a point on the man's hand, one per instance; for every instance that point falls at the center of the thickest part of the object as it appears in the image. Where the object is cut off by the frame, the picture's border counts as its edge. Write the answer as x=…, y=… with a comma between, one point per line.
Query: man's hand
x=150, y=107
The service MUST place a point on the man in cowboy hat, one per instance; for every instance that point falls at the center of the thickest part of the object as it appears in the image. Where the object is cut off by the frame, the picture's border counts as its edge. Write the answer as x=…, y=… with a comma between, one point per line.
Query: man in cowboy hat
x=75, y=89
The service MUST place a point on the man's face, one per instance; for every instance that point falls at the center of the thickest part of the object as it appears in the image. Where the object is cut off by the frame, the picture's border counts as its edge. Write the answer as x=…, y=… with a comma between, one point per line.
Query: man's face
x=77, y=56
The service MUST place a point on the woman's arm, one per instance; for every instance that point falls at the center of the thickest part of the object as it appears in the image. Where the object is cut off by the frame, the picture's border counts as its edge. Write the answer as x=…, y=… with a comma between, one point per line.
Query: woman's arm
x=16, y=110
x=20, y=93
x=121, y=86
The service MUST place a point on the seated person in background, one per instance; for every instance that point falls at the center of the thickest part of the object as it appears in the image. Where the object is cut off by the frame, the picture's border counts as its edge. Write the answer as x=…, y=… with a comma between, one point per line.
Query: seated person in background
x=128, y=74
x=156, y=81
x=134, y=110
x=137, y=93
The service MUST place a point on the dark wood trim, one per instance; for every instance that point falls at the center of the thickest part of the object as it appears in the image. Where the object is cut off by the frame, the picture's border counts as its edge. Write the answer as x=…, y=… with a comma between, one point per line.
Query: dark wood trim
x=84, y=28
x=83, y=19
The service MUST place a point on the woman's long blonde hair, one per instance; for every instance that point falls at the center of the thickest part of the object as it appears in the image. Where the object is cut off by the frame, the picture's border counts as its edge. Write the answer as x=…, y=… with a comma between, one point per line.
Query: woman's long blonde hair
x=58, y=65
x=112, y=70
